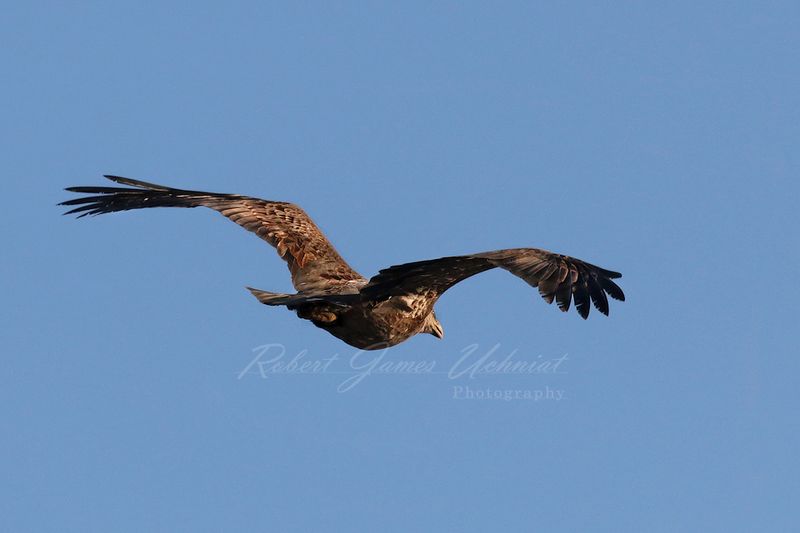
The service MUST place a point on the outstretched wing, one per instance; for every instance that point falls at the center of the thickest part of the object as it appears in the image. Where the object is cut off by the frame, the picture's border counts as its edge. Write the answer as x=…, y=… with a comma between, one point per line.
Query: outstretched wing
x=558, y=277
x=313, y=261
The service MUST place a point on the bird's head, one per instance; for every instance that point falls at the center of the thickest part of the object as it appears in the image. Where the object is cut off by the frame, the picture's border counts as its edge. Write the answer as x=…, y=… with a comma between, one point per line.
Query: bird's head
x=433, y=326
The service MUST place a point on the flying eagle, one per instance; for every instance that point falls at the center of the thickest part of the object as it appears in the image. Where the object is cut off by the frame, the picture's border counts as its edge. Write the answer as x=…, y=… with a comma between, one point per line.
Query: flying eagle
x=374, y=313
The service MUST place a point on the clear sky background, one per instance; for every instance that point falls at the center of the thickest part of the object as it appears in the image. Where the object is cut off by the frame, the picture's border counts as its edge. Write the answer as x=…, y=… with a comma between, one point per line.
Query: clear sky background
x=658, y=140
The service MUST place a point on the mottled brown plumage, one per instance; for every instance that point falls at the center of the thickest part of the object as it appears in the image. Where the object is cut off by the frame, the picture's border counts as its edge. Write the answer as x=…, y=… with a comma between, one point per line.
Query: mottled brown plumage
x=385, y=310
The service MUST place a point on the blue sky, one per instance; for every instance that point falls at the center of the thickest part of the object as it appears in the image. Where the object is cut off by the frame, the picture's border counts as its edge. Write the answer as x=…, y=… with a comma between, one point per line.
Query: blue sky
x=657, y=140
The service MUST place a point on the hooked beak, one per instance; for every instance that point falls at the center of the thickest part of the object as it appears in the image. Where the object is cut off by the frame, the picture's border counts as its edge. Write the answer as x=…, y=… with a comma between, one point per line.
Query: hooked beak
x=437, y=330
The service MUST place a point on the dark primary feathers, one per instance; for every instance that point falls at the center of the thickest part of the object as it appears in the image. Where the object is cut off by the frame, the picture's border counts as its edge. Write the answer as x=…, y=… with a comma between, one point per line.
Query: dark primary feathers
x=558, y=277
x=385, y=310
x=313, y=261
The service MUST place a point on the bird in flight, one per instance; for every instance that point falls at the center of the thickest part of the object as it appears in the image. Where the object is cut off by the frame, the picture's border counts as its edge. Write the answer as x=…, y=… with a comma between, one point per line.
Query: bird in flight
x=370, y=314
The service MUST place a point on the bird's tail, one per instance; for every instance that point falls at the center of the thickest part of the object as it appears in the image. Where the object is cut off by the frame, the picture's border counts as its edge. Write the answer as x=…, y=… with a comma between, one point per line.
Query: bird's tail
x=142, y=195
x=272, y=298
x=293, y=301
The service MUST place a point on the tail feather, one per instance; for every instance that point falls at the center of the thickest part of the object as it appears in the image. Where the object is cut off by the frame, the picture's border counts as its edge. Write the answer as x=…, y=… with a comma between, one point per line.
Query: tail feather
x=292, y=301
x=271, y=298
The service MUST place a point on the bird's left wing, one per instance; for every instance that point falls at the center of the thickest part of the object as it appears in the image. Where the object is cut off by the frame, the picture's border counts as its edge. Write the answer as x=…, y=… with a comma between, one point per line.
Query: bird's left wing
x=313, y=262
x=558, y=277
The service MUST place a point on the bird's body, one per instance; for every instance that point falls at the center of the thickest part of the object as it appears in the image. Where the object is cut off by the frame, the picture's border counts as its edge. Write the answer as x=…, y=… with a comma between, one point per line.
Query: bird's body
x=367, y=324
x=359, y=320
x=374, y=313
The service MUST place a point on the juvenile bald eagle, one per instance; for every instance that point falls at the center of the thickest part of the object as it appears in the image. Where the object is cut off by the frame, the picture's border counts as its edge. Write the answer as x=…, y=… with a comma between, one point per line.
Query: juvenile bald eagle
x=374, y=313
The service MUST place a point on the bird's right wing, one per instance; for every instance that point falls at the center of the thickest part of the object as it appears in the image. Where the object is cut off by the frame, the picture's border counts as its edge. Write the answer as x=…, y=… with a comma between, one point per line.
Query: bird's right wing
x=558, y=277
x=313, y=261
